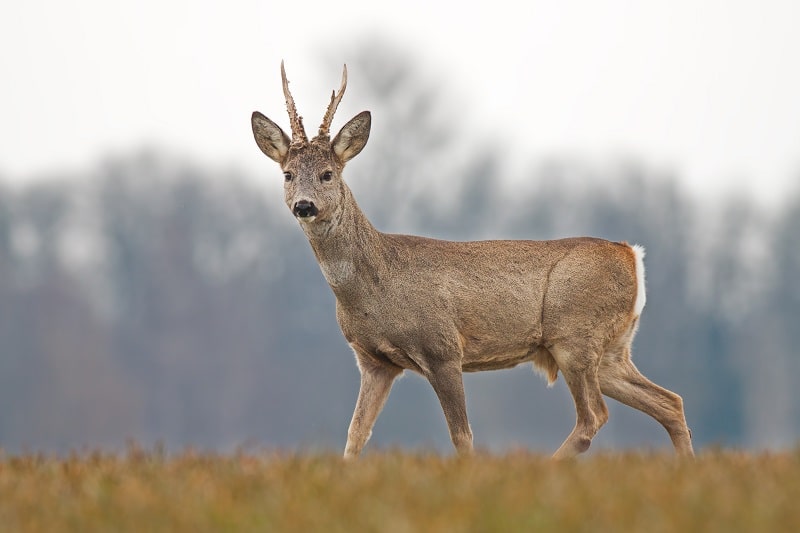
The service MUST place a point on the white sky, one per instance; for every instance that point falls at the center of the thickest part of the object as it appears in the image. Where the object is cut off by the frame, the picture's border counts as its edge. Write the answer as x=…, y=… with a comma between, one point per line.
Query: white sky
x=708, y=89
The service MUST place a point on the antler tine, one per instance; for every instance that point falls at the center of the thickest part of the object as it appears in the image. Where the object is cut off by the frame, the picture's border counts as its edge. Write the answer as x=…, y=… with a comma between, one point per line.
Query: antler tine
x=324, y=129
x=296, y=121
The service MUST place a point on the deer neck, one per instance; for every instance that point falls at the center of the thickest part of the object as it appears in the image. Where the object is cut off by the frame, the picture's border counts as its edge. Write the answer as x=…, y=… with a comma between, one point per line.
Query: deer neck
x=348, y=250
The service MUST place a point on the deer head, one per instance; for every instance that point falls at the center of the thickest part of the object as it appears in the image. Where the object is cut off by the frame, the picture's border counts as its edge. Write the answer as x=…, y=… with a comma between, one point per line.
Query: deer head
x=312, y=170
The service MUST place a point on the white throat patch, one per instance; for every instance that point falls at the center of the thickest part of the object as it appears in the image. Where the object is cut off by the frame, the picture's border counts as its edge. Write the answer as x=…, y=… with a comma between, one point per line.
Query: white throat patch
x=337, y=272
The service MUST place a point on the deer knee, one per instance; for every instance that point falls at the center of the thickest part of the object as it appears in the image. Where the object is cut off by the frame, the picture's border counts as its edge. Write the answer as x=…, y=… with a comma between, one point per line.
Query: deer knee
x=677, y=404
x=582, y=444
x=675, y=411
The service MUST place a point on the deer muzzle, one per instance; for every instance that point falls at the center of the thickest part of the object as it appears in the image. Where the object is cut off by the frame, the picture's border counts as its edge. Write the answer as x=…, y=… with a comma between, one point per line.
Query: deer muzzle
x=305, y=209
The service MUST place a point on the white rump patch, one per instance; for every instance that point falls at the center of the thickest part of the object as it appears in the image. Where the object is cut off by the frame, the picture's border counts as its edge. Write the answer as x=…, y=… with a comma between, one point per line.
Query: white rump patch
x=337, y=272
x=641, y=296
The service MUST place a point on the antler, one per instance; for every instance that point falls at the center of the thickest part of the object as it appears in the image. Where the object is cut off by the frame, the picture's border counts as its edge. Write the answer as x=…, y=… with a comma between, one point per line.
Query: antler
x=298, y=132
x=324, y=129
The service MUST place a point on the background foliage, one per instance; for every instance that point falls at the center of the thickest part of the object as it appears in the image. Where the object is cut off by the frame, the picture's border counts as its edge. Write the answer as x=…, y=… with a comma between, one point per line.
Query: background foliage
x=155, y=300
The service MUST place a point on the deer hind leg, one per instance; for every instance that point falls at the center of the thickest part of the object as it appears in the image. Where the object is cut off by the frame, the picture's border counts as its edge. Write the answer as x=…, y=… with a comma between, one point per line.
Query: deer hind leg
x=580, y=370
x=621, y=380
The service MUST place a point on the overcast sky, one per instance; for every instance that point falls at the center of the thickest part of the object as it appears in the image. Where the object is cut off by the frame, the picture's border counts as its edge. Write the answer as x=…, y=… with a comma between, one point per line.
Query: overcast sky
x=707, y=89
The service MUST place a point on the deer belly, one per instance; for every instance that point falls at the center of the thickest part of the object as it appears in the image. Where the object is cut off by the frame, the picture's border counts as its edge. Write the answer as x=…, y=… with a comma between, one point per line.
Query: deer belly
x=497, y=360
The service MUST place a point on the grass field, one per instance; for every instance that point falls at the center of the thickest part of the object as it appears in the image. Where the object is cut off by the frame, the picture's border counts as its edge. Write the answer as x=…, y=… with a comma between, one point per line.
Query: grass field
x=392, y=491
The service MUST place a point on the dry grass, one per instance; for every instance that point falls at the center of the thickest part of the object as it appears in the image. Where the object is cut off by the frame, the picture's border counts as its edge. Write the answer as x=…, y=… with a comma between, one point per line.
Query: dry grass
x=154, y=491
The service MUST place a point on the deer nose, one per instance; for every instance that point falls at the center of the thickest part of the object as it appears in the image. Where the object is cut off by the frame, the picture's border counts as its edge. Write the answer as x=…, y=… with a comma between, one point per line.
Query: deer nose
x=305, y=209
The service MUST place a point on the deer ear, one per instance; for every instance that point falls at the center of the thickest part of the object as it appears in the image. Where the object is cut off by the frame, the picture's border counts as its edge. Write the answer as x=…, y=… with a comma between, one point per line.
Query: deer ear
x=269, y=137
x=352, y=138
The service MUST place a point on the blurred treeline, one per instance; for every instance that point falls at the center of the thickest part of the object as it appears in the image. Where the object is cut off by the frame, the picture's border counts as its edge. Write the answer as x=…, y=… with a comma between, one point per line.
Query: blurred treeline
x=157, y=300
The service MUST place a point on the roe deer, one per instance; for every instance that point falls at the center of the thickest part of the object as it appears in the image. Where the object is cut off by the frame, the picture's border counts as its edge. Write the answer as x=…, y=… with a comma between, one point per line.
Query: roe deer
x=442, y=308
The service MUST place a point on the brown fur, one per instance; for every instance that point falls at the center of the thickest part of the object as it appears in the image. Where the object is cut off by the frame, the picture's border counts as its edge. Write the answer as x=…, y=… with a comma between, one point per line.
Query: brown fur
x=441, y=308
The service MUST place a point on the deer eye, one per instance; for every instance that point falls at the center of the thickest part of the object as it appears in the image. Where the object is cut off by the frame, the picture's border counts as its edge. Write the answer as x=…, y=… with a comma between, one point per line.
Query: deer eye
x=326, y=176
x=288, y=176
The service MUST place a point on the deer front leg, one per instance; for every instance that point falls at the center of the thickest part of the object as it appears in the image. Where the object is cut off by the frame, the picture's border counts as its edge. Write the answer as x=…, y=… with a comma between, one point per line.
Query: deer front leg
x=447, y=381
x=376, y=382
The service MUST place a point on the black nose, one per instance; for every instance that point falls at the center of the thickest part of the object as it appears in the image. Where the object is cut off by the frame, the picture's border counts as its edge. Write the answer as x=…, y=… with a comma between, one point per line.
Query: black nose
x=304, y=209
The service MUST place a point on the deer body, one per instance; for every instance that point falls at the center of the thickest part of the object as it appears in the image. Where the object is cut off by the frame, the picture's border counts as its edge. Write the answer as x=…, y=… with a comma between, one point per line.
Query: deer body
x=441, y=308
